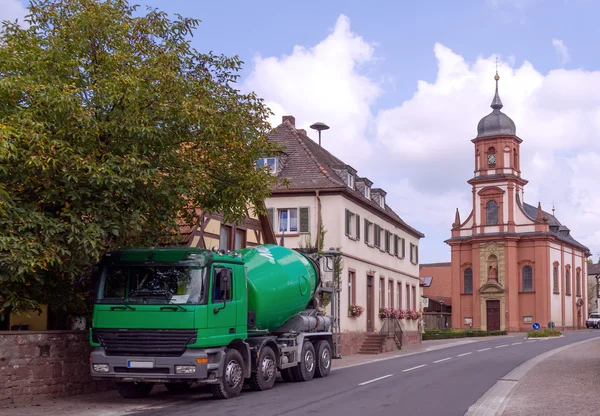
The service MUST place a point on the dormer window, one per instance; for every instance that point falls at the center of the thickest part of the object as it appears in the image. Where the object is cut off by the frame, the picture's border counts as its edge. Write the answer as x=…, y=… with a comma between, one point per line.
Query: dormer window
x=367, y=192
x=271, y=162
x=382, y=202
x=351, y=180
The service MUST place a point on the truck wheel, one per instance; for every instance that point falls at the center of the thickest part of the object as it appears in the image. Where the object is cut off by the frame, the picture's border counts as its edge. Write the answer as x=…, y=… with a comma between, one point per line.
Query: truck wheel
x=177, y=388
x=266, y=371
x=134, y=390
x=305, y=370
x=323, y=350
x=232, y=378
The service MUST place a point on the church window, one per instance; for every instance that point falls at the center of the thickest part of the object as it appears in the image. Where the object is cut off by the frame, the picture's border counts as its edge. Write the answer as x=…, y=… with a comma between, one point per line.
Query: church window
x=468, y=281
x=527, y=279
x=491, y=209
x=555, y=280
x=491, y=156
x=578, y=284
x=515, y=160
x=568, y=282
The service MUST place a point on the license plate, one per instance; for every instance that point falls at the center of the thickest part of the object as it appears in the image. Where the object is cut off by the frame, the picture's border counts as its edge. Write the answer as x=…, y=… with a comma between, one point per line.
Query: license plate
x=140, y=364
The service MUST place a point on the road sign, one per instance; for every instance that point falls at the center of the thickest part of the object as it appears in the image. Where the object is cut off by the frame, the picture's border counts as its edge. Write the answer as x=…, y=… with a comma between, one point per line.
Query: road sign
x=551, y=325
x=535, y=326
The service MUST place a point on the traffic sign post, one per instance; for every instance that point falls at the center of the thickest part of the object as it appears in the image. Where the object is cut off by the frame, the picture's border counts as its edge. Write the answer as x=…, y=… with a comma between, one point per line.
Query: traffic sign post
x=535, y=326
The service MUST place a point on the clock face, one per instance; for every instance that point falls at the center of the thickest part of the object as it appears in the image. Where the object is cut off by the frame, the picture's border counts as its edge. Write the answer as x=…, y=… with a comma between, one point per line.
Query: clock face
x=491, y=159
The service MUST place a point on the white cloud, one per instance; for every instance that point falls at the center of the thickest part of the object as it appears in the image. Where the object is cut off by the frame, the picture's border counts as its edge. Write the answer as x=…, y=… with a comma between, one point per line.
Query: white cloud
x=323, y=83
x=561, y=51
x=12, y=10
x=420, y=151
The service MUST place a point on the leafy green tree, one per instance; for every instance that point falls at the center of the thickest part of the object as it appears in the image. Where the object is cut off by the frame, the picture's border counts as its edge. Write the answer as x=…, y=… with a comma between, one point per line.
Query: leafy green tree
x=113, y=131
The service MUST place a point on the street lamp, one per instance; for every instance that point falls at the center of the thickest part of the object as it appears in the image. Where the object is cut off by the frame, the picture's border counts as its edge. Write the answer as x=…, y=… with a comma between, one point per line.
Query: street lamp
x=332, y=255
x=441, y=314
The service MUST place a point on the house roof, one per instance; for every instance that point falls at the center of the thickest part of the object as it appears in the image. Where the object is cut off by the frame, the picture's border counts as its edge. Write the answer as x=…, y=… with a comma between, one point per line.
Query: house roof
x=426, y=281
x=308, y=167
x=593, y=269
x=445, y=264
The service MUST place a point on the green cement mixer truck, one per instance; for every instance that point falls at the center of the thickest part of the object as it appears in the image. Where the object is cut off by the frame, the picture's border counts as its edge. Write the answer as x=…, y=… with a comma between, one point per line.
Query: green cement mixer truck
x=184, y=315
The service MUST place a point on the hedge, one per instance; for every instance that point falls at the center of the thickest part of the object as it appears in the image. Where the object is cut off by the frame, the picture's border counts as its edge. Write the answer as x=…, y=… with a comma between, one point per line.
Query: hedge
x=544, y=333
x=458, y=333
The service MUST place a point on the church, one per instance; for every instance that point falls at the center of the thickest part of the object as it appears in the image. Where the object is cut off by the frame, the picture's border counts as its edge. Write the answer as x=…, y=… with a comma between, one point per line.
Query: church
x=513, y=264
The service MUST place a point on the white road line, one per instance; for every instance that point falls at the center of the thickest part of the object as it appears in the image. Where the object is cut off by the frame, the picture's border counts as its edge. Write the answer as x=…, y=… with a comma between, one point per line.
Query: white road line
x=443, y=359
x=375, y=379
x=500, y=346
x=414, y=368
x=484, y=349
x=516, y=343
x=529, y=341
x=462, y=355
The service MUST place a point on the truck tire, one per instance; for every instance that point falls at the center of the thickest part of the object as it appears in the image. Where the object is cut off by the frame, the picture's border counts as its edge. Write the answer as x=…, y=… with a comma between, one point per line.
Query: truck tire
x=266, y=371
x=232, y=377
x=286, y=374
x=177, y=388
x=323, y=352
x=134, y=390
x=305, y=370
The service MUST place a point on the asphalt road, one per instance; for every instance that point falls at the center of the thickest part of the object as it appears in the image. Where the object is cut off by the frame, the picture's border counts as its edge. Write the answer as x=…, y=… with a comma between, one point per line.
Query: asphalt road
x=442, y=382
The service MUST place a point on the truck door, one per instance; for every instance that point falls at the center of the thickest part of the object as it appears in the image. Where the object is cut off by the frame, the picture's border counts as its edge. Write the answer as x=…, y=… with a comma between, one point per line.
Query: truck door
x=223, y=304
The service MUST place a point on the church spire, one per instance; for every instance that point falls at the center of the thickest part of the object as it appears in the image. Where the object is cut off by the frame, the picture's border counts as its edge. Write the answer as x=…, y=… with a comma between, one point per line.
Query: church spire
x=456, y=219
x=539, y=216
x=496, y=102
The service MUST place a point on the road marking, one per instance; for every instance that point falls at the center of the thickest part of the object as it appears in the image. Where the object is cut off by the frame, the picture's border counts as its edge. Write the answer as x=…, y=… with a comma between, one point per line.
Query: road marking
x=375, y=379
x=443, y=359
x=516, y=343
x=485, y=349
x=462, y=355
x=500, y=346
x=414, y=368
x=529, y=341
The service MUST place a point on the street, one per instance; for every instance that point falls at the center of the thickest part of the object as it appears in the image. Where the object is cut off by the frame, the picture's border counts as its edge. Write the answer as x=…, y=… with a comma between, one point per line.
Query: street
x=444, y=382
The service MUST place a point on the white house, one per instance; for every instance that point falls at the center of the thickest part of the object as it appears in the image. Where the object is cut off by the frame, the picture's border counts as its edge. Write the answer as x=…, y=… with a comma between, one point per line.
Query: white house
x=380, y=251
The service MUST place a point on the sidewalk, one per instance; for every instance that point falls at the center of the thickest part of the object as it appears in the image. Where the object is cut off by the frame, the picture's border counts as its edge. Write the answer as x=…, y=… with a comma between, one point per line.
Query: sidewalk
x=111, y=404
x=564, y=384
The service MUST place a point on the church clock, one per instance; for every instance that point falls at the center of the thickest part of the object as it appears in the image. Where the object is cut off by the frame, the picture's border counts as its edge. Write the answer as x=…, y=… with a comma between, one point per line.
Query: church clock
x=492, y=159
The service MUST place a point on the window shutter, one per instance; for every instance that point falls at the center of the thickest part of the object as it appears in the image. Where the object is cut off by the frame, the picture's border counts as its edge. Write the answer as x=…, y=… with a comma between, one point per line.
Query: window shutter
x=357, y=227
x=366, y=231
x=347, y=222
x=270, y=214
x=304, y=220
x=417, y=253
x=411, y=252
x=395, y=245
x=403, y=248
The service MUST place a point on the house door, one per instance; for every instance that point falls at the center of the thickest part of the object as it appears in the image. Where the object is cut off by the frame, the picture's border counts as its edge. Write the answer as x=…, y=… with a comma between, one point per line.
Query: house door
x=493, y=315
x=370, y=310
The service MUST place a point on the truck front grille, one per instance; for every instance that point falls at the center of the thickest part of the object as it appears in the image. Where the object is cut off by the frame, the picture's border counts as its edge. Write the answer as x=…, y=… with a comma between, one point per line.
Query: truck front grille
x=144, y=342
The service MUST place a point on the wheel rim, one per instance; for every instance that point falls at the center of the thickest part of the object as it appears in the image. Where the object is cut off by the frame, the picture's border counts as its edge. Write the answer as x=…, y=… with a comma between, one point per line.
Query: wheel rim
x=309, y=361
x=326, y=358
x=268, y=368
x=233, y=373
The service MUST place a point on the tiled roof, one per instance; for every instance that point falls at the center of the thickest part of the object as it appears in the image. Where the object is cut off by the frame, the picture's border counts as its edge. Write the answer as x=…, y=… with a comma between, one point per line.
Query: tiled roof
x=308, y=166
x=594, y=268
x=446, y=264
x=426, y=281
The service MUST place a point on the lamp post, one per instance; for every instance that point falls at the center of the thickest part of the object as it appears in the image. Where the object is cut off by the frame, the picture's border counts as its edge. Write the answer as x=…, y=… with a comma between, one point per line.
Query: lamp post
x=332, y=255
x=441, y=314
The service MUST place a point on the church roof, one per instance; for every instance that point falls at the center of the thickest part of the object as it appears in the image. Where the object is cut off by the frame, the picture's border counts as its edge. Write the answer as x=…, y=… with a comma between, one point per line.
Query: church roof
x=496, y=123
x=308, y=166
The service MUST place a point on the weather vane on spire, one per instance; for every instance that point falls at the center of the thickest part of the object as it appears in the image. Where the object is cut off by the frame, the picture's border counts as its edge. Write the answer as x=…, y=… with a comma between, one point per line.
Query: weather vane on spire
x=496, y=77
x=553, y=209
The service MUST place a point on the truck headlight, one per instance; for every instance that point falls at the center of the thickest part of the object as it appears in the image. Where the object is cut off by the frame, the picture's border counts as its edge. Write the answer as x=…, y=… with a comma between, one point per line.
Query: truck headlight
x=185, y=369
x=100, y=368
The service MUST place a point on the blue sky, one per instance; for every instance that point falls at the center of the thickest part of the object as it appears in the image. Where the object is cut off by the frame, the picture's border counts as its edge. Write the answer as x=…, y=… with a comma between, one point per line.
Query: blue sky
x=403, y=84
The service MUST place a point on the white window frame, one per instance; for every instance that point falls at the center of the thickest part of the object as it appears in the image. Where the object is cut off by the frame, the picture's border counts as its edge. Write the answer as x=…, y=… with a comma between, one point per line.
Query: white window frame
x=265, y=162
x=382, y=202
x=350, y=180
x=367, y=192
x=288, y=227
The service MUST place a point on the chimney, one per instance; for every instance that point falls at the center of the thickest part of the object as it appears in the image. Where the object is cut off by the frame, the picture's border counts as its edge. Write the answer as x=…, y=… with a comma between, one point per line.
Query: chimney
x=291, y=119
x=302, y=131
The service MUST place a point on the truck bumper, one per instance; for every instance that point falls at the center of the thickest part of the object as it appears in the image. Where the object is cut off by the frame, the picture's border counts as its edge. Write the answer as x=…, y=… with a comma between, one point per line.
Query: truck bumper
x=193, y=365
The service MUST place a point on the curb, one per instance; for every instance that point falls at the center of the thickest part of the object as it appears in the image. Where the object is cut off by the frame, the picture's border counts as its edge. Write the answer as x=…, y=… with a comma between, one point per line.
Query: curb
x=428, y=349
x=494, y=401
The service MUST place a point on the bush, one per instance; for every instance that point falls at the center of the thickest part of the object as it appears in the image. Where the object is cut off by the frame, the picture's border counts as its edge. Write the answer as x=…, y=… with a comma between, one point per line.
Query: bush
x=458, y=333
x=545, y=333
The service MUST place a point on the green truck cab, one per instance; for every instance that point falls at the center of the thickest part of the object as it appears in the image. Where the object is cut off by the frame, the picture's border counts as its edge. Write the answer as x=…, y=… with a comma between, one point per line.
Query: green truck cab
x=184, y=315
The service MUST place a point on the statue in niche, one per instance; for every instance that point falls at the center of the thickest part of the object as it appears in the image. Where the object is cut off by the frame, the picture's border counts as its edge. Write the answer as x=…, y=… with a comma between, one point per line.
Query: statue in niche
x=493, y=271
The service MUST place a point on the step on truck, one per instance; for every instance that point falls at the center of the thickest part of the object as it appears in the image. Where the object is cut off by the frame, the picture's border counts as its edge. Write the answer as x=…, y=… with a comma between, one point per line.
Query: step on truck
x=183, y=315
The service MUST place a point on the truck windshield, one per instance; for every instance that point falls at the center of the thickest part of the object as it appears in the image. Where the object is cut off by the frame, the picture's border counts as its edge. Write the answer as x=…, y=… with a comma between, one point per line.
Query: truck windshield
x=152, y=284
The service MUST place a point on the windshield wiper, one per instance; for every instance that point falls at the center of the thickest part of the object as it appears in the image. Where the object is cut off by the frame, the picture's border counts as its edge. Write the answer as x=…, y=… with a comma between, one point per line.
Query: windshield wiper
x=174, y=307
x=122, y=307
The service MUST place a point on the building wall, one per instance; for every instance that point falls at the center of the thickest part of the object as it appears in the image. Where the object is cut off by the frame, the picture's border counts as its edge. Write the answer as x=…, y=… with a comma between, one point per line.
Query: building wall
x=441, y=282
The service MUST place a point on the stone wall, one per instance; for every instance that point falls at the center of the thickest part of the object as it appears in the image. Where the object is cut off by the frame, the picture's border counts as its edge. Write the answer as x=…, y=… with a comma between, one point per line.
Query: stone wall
x=351, y=341
x=44, y=365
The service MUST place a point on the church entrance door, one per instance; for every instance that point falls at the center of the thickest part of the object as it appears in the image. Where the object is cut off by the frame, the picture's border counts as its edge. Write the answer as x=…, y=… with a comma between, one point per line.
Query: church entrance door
x=493, y=315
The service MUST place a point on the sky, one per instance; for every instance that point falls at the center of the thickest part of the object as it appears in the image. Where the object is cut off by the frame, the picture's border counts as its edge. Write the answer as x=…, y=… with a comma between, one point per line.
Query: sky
x=403, y=85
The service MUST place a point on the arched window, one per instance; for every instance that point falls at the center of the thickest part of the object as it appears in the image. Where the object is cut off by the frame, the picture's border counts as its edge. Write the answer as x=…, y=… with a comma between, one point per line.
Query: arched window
x=491, y=155
x=515, y=160
x=468, y=281
x=568, y=281
x=491, y=214
x=527, y=279
x=578, y=285
x=555, y=280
